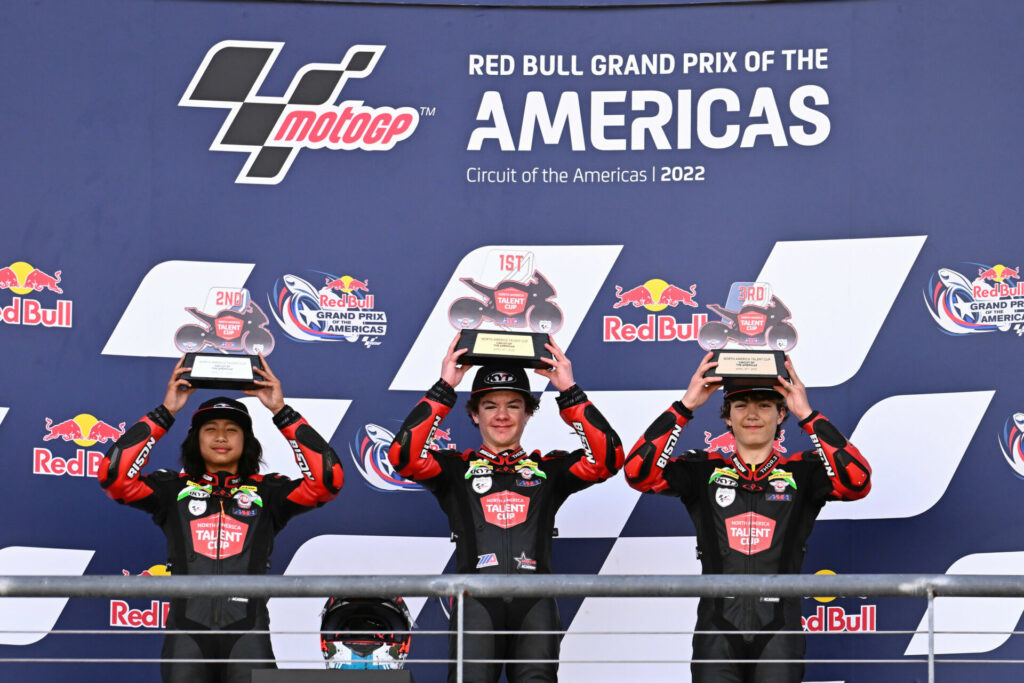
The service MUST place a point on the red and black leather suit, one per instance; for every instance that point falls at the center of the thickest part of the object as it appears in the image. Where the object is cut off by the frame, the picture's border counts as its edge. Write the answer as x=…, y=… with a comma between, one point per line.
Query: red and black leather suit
x=219, y=524
x=501, y=510
x=749, y=521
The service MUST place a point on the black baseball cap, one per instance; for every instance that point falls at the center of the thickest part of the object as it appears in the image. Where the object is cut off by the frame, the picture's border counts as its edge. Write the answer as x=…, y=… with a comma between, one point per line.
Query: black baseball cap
x=500, y=378
x=733, y=390
x=224, y=408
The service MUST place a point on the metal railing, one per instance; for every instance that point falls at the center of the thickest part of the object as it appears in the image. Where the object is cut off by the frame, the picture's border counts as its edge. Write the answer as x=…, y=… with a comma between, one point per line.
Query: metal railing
x=458, y=586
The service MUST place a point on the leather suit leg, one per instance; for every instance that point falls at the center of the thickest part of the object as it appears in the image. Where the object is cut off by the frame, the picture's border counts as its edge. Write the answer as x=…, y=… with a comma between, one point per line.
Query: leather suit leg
x=479, y=615
x=534, y=614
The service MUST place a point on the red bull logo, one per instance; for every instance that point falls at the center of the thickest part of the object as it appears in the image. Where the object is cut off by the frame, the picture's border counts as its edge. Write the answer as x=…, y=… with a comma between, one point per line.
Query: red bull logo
x=22, y=279
x=725, y=443
x=347, y=284
x=998, y=273
x=123, y=615
x=83, y=429
x=655, y=296
x=835, y=619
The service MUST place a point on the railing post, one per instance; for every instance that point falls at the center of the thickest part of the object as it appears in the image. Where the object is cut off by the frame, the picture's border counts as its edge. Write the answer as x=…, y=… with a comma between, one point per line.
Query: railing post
x=458, y=636
x=931, y=634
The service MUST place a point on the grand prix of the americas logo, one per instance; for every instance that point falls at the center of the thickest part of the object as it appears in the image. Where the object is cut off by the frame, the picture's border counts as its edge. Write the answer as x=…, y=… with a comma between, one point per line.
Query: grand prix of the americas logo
x=328, y=308
x=972, y=304
x=272, y=130
x=1011, y=442
x=369, y=452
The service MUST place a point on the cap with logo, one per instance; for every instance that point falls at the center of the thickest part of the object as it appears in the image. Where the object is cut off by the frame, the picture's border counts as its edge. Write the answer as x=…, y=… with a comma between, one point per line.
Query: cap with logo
x=222, y=408
x=500, y=378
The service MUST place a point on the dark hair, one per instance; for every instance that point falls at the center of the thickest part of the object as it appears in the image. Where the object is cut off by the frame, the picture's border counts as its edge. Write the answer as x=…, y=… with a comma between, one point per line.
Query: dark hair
x=473, y=404
x=194, y=465
x=773, y=396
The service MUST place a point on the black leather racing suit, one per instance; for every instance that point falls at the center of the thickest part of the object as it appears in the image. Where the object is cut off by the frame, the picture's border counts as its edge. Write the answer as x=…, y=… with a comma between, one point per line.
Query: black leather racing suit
x=219, y=524
x=749, y=522
x=501, y=509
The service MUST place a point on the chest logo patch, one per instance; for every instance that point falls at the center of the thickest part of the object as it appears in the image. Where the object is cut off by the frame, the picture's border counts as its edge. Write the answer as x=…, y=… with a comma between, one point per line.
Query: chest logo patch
x=218, y=536
x=482, y=484
x=505, y=509
x=750, y=533
x=725, y=496
x=196, y=507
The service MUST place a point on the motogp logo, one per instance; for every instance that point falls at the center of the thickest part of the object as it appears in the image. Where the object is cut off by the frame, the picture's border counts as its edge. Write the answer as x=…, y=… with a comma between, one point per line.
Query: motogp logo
x=272, y=130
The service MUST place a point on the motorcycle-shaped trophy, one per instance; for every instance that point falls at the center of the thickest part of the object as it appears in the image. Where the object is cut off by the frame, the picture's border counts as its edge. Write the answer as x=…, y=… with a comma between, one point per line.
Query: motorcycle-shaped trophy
x=236, y=329
x=510, y=304
x=752, y=316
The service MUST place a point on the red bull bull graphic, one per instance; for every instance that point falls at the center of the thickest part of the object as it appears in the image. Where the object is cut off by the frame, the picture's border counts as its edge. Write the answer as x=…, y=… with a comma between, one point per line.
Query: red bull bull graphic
x=272, y=130
x=654, y=295
x=752, y=316
x=229, y=322
x=510, y=304
x=725, y=443
x=84, y=430
x=123, y=615
x=991, y=302
x=340, y=309
x=1011, y=443
x=22, y=279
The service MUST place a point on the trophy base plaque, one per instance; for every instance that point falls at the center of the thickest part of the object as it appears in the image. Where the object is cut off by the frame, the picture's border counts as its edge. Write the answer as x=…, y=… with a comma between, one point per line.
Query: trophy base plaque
x=221, y=371
x=742, y=368
x=517, y=349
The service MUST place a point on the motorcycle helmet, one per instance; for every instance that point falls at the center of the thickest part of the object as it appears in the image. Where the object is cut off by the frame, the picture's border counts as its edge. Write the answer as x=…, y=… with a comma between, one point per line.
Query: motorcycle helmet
x=365, y=633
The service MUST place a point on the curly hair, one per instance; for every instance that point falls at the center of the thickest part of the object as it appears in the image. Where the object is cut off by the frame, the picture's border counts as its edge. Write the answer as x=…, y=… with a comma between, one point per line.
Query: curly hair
x=194, y=465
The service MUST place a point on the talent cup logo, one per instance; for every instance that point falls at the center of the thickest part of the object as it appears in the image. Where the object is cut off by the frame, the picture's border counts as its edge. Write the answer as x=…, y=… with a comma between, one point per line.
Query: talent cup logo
x=272, y=130
x=752, y=316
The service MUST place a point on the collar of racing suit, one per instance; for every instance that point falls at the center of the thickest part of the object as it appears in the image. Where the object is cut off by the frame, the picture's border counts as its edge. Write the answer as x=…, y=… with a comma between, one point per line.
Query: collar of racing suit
x=222, y=481
x=505, y=458
x=752, y=478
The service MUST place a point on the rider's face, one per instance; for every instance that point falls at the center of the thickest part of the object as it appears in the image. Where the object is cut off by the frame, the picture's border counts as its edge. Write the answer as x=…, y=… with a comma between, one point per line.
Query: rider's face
x=502, y=417
x=220, y=445
x=754, y=422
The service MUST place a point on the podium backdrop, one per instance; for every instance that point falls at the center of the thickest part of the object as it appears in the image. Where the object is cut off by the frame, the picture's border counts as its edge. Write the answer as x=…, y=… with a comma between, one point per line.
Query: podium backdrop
x=341, y=184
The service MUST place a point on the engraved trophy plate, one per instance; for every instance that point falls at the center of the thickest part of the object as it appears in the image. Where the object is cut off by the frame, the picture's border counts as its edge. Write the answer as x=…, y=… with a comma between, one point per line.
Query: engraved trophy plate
x=222, y=371
x=519, y=349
